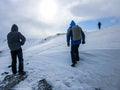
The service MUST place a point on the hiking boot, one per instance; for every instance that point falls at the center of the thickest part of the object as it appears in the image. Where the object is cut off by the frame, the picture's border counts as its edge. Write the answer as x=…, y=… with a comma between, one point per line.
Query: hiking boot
x=73, y=65
x=22, y=73
x=78, y=59
x=14, y=74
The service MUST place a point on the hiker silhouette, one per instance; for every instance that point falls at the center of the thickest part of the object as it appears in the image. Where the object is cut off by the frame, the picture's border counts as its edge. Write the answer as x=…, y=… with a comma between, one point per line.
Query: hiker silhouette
x=99, y=25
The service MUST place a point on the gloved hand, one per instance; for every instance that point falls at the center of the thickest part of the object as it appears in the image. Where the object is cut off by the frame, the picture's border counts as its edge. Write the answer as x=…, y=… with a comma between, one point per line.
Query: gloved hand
x=22, y=43
x=83, y=42
x=68, y=44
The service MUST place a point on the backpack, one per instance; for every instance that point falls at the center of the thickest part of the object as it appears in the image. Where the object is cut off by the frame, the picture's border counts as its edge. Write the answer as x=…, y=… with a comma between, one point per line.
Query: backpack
x=77, y=32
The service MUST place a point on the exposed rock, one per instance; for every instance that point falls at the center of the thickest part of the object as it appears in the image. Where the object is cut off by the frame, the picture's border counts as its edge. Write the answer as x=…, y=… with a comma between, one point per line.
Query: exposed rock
x=9, y=66
x=42, y=85
x=5, y=73
x=97, y=89
x=11, y=80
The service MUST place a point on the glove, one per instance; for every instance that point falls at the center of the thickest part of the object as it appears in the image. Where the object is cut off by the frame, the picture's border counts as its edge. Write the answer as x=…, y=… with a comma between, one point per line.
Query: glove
x=68, y=44
x=83, y=42
x=22, y=43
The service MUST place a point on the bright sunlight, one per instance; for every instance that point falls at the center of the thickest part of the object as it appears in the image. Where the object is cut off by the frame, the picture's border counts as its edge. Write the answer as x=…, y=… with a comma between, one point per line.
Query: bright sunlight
x=48, y=9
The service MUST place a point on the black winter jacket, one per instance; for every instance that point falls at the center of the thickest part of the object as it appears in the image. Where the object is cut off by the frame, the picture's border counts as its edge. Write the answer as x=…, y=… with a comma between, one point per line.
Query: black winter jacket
x=15, y=40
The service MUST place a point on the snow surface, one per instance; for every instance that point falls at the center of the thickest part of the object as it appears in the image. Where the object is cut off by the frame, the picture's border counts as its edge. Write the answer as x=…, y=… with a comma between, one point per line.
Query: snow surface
x=99, y=65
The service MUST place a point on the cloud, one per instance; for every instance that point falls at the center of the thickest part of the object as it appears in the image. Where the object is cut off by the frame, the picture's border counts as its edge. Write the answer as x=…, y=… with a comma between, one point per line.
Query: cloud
x=96, y=8
x=27, y=14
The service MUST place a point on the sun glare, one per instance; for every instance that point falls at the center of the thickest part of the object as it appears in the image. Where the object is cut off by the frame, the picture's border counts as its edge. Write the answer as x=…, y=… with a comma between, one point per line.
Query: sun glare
x=48, y=9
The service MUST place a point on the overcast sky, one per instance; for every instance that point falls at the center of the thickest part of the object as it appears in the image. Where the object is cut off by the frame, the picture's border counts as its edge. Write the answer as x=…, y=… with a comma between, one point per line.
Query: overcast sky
x=42, y=17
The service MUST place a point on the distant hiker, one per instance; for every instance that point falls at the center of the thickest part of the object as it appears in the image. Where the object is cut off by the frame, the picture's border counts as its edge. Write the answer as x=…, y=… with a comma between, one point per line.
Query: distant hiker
x=99, y=25
x=77, y=36
x=15, y=40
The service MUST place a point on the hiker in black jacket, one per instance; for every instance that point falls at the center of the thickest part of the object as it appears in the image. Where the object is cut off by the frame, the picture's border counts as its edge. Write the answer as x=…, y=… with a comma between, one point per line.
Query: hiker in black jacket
x=15, y=40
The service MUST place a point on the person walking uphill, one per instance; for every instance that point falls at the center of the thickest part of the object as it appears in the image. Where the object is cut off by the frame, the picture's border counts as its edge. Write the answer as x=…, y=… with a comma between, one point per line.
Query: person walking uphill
x=15, y=40
x=76, y=35
x=99, y=25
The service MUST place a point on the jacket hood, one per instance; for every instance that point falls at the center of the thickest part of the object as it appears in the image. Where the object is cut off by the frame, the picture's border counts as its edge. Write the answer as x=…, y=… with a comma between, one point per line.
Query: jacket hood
x=72, y=23
x=14, y=28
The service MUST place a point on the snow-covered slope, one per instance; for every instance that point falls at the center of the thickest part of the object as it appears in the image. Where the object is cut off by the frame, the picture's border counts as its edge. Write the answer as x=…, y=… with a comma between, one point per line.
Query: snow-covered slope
x=99, y=65
x=108, y=38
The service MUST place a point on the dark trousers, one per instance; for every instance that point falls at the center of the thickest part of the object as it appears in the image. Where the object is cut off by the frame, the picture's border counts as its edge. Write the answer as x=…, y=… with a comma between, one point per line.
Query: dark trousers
x=74, y=53
x=14, y=54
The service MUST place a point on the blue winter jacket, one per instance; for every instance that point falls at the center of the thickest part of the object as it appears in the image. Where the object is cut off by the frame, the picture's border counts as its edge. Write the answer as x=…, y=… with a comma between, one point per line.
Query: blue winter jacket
x=70, y=35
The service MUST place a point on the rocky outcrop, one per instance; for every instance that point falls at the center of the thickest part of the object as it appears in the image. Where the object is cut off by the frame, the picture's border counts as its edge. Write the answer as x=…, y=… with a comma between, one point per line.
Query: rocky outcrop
x=42, y=85
x=11, y=80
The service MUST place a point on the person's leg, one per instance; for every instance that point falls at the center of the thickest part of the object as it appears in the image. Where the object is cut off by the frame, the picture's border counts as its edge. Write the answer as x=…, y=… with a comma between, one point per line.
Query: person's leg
x=77, y=52
x=14, y=61
x=20, y=57
x=73, y=55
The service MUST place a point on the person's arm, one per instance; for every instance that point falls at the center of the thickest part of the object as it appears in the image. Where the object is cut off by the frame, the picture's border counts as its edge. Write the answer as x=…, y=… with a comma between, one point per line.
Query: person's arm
x=83, y=37
x=69, y=33
x=22, y=39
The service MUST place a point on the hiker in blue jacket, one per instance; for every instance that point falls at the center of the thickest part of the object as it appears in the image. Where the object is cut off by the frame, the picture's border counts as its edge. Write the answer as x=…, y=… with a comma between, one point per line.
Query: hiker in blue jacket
x=76, y=35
